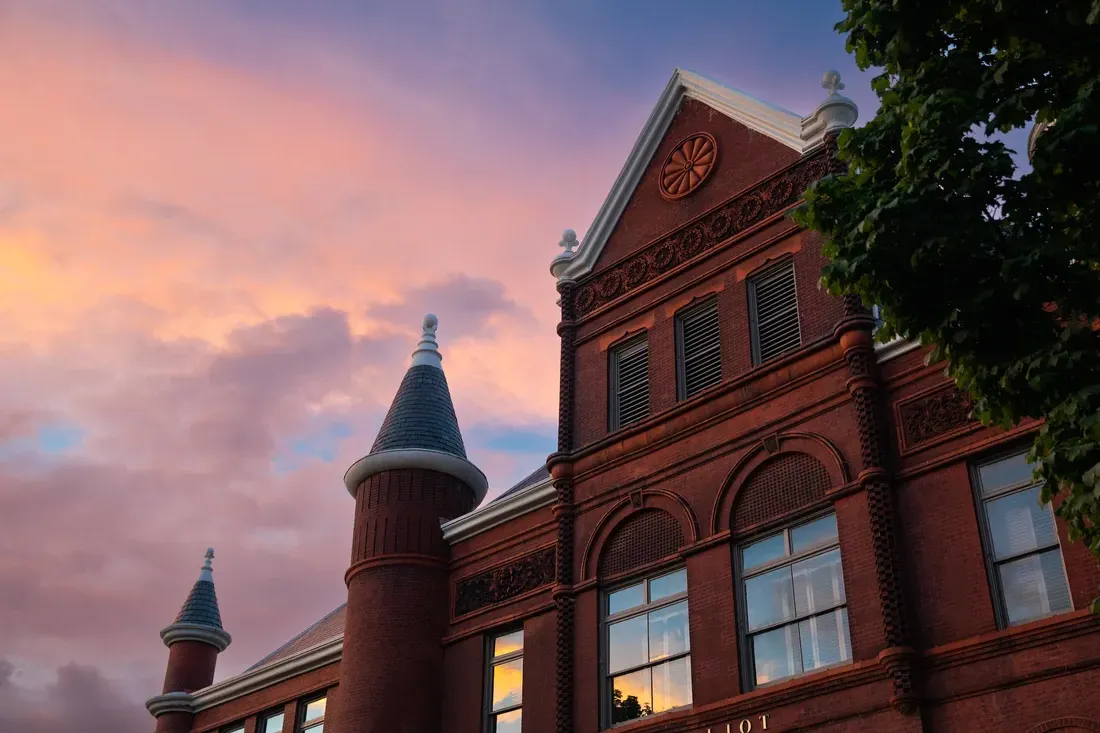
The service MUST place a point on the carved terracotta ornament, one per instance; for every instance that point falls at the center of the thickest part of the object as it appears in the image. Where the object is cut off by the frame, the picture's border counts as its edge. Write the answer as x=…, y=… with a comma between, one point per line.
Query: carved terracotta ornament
x=688, y=165
x=505, y=582
x=945, y=410
x=729, y=219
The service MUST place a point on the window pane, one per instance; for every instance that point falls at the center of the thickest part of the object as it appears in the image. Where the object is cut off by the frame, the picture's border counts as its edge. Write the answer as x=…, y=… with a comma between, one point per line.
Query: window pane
x=1007, y=472
x=627, y=645
x=769, y=598
x=507, y=684
x=508, y=722
x=812, y=534
x=631, y=696
x=672, y=684
x=315, y=728
x=626, y=598
x=1034, y=586
x=668, y=585
x=315, y=710
x=236, y=729
x=763, y=551
x=274, y=724
x=776, y=654
x=825, y=639
x=507, y=643
x=1018, y=523
x=818, y=582
x=668, y=631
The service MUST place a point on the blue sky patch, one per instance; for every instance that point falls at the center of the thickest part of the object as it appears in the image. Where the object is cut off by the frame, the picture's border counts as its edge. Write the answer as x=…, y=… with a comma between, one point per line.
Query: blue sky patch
x=320, y=443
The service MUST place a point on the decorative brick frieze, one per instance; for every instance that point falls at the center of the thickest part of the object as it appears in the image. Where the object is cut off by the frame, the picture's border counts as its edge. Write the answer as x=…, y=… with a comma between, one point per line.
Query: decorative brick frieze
x=930, y=416
x=506, y=582
x=748, y=208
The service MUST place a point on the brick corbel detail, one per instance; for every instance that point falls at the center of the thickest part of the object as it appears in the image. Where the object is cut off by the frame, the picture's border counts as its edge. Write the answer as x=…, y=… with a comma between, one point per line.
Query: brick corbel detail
x=561, y=469
x=898, y=658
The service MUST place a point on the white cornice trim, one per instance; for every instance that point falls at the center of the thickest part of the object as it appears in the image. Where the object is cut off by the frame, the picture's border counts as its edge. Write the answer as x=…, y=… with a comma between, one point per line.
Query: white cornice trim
x=307, y=660
x=799, y=134
x=216, y=638
x=434, y=460
x=894, y=348
x=170, y=702
x=528, y=499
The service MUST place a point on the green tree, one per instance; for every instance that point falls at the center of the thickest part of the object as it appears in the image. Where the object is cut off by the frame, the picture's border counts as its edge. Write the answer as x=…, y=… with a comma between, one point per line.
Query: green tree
x=997, y=269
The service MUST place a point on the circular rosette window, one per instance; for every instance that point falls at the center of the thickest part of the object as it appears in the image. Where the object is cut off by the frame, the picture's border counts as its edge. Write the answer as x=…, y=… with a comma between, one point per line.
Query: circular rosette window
x=688, y=165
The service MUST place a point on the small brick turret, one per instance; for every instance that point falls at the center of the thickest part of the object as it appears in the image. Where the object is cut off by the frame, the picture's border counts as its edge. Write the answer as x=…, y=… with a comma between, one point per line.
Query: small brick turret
x=194, y=641
x=416, y=475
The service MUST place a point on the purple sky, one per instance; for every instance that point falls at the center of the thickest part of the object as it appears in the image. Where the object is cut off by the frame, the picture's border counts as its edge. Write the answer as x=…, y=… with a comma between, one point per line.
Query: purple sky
x=220, y=224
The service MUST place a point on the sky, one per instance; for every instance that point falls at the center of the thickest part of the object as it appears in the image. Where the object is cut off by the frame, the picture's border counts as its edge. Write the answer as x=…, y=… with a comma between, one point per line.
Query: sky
x=221, y=222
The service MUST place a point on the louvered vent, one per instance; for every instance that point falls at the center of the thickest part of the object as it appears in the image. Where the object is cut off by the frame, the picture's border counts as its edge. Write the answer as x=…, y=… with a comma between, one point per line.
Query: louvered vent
x=774, y=313
x=700, y=351
x=629, y=383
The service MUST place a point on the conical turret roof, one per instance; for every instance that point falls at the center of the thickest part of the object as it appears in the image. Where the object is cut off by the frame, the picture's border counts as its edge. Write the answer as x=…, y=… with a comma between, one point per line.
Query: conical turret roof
x=421, y=428
x=199, y=618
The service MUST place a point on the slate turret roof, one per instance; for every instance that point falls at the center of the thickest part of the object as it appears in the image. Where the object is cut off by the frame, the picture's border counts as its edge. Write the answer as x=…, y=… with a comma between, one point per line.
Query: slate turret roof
x=422, y=415
x=201, y=606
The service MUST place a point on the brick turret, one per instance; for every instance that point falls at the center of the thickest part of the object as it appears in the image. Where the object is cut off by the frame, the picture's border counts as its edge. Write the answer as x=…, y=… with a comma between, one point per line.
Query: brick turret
x=194, y=641
x=415, y=476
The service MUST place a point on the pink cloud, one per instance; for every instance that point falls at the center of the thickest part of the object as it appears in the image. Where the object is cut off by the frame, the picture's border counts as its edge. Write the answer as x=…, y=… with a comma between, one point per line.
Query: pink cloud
x=200, y=263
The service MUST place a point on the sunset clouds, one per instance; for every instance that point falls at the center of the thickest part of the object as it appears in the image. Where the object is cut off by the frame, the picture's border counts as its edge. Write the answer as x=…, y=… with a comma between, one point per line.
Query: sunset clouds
x=220, y=225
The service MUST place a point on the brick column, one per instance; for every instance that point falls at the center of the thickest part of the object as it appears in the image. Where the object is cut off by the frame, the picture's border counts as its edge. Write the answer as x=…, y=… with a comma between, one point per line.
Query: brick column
x=561, y=470
x=391, y=675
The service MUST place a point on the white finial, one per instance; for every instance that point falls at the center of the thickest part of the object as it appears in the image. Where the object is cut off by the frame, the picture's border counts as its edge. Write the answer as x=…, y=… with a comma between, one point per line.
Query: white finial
x=427, y=351
x=831, y=82
x=207, y=572
x=833, y=114
x=568, y=242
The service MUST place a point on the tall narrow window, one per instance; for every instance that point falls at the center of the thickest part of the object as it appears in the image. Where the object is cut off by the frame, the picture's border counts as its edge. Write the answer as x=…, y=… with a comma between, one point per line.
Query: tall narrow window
x=505, y=684
x=648, y=651
x=273, y=723
x=794, y=618
x=773, y=309
x=630, y=382
x=1021, y=543
x=312, y=717
x=698, y=350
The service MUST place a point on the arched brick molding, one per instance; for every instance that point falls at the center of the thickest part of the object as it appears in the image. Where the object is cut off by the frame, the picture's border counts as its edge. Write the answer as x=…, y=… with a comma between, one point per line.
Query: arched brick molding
x=1067, y=725
x=772, y=451
x=627, y=509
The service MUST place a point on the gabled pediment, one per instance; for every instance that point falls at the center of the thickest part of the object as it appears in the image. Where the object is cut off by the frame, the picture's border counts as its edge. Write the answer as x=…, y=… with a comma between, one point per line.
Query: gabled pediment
x=800, y=134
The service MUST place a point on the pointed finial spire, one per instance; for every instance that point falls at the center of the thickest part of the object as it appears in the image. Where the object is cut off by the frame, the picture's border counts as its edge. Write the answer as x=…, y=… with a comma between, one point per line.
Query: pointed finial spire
x=207, y=572
x=427, y=351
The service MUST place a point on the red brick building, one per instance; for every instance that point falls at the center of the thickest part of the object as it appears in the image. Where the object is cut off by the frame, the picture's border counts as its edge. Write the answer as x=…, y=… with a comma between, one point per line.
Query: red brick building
x=757, y=519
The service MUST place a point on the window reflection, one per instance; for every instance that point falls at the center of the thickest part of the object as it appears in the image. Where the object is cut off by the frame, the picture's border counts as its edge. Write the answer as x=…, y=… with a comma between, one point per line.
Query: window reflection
x=1023, y=540
x=505, y=713
x=273, y=723
x=648, y=646
x=313, y=716
x=795, y=615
